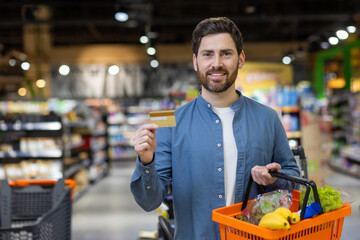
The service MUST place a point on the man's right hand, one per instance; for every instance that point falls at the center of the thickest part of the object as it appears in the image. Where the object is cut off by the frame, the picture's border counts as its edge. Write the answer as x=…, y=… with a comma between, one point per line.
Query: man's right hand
x=145, y=142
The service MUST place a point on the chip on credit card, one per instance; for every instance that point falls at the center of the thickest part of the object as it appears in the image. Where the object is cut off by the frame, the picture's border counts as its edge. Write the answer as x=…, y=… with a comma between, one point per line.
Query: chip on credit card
x=163, y=118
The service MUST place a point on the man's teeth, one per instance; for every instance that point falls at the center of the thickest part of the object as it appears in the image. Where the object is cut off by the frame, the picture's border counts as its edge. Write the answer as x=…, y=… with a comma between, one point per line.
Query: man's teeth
x=217, y=74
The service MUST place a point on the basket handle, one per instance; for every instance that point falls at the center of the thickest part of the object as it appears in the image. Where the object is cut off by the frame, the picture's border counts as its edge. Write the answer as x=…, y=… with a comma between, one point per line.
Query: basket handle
x=306, y=182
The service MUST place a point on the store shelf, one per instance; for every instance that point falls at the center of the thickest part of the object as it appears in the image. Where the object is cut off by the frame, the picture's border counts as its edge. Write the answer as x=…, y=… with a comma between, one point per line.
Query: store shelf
x=288, y=109
x=53, y=153
x=351, y=153
x=31, y=126
x=296, y=134
x=342, y=169
x=76, y=167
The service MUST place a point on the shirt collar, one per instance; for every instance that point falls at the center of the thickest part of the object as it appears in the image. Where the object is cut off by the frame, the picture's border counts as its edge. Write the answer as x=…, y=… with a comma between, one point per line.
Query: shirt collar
x=235, y=105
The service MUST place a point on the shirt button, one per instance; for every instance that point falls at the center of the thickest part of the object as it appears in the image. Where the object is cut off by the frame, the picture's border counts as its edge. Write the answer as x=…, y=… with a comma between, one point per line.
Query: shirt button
x=219, y=169
x=219, y=144
x=147, y=171
x=220, y=196
x=148, y=187
x=217, y=121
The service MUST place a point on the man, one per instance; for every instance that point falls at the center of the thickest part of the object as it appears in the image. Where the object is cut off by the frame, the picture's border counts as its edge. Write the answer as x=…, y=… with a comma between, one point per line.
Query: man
x=220, y=139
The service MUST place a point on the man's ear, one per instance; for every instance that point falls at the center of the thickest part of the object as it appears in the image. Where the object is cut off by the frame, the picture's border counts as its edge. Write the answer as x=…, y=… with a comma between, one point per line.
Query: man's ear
x=194, y=62
x=241, y=59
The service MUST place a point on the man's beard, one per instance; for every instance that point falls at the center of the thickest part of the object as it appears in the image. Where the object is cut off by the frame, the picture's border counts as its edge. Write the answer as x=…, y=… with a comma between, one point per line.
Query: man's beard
x=206, y=82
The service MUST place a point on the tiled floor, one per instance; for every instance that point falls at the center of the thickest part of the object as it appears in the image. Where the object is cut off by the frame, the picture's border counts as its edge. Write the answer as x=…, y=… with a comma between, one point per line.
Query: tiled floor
x=107, y=211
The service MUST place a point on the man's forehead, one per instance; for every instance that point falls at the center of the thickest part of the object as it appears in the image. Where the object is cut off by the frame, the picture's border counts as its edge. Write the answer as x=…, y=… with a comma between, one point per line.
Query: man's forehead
x=220, y=41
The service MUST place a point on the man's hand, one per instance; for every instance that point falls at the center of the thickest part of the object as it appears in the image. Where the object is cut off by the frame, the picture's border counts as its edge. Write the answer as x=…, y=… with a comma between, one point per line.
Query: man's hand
x=145, y=142
x=261, y=175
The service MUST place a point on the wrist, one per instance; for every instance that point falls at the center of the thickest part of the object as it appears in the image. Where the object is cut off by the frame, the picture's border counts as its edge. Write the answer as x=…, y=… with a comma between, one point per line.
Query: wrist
x=144, y=161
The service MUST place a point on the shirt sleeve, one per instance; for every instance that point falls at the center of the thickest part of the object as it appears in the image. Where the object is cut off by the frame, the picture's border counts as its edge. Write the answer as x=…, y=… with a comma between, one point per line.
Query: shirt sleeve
x=145, y=186
x=283, y=155
x=149, y=183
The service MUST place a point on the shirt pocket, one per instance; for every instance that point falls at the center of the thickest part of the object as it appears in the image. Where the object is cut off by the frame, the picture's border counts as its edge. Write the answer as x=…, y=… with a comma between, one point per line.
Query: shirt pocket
x=260, y=153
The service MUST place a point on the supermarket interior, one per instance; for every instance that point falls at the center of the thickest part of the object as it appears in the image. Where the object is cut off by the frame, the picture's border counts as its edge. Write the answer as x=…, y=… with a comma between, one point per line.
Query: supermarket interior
x=78, y=78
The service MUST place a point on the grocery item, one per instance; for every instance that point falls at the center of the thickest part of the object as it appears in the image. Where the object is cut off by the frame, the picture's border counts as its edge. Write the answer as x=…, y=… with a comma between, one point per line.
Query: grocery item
x=285, y=212
x=266, y=203
x=274, y=221
x=329, y=198
x=295, y=218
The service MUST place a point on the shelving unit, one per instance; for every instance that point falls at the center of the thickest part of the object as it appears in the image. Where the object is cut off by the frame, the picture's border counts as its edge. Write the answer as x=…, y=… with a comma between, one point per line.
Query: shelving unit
x=345, y=109
x=121, y=128
x=124, y=120
x=31, y=146
x=71, y=143
x=291, y=122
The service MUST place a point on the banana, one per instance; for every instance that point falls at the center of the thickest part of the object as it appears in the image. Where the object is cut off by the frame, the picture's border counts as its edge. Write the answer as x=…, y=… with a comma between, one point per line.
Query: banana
x=285, y=212
x=274, y=221
x=294, y=217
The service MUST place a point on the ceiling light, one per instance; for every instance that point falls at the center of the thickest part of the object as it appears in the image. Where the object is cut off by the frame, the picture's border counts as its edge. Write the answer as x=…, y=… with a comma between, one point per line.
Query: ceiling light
x=64, y=70
x=25, y=66
x=22, y=91
x=351, y=29
x=286, y=60
x=324, y=45
x=333, y=40
x=12, y=62
x=144, y=39
x=121, y=16
x=250, y=9
x=342, y=34
x=151, y=51
x=113, y=70
x=154, y=63
x=40, y=83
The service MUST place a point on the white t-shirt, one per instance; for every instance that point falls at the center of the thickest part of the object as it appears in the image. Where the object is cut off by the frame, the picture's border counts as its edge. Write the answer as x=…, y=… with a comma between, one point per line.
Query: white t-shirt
x=230, y=152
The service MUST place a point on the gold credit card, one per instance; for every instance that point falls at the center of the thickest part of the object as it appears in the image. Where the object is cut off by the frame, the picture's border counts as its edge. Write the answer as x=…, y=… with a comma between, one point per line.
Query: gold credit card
x=163, y=118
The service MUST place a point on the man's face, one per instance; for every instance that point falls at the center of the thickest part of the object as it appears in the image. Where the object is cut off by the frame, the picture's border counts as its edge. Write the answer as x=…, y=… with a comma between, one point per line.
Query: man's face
x=217, y=62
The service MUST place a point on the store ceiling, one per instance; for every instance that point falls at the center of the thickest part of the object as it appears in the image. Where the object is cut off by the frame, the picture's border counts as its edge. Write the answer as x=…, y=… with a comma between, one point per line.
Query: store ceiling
x=92, y=21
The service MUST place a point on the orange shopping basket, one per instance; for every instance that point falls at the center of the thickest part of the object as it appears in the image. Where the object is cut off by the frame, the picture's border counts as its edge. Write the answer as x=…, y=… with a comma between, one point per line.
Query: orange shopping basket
x=323, y=226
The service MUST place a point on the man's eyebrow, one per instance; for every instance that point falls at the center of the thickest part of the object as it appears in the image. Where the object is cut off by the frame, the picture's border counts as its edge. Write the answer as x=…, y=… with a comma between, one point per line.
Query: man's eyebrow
x=207, y=50
x=221, y=50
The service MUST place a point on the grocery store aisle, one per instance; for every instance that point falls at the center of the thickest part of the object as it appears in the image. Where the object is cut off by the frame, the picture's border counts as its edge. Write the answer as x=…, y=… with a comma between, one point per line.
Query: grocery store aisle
x=351, y=228
x=107, y=211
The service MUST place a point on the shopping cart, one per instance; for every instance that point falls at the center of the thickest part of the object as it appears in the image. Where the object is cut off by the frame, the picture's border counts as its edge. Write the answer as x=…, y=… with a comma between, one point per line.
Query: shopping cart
x=36, y=209
x=323, y=226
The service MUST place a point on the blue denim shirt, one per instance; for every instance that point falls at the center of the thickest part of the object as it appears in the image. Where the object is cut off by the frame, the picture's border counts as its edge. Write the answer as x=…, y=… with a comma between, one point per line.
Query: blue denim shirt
x=191, y=156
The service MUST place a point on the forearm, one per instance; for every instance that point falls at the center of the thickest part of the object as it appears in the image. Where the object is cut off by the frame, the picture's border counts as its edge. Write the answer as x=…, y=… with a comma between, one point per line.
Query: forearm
x=147, y=187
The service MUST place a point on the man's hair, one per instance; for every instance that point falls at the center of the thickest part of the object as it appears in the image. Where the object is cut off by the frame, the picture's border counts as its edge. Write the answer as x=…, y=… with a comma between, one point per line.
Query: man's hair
x=215, y=26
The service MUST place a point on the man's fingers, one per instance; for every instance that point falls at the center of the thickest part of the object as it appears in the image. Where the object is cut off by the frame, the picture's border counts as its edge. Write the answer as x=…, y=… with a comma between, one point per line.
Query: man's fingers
x=261, y=175
x=143, y=147
x=151, y=126
x=273, y=167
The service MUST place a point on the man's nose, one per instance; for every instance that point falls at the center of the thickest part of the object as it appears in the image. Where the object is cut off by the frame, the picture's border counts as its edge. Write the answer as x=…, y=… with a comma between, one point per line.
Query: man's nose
x=217, y=63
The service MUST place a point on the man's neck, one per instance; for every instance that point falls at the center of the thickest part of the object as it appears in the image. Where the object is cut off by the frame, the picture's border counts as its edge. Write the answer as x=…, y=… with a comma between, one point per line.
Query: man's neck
x=222, y=99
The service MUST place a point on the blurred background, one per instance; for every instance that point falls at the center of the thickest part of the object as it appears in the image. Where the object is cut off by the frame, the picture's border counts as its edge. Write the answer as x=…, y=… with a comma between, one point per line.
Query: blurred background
x=77, y=78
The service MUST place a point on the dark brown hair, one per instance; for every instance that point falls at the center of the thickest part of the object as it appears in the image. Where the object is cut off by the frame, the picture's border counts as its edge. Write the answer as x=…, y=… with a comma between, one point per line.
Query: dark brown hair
x=214, y=26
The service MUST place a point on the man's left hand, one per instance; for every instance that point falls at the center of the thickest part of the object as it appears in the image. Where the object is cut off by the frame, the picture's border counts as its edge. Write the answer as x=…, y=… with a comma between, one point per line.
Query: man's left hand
x=261, y=175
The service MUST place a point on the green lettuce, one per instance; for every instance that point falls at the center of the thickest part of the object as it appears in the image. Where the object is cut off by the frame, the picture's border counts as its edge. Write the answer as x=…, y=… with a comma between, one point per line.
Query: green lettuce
x=329, y=198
